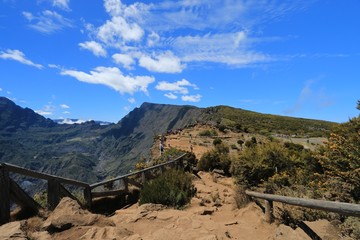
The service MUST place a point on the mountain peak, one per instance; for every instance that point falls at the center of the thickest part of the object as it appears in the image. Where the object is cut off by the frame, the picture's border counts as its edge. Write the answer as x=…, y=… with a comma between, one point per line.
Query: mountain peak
x=14, y=117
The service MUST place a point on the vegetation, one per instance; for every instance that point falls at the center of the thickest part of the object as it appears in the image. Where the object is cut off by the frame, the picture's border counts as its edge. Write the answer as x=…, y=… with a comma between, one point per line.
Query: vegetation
x=217, y=158
x=208, y=133
x=240, y=120
x=331, y=172
x=174, y=188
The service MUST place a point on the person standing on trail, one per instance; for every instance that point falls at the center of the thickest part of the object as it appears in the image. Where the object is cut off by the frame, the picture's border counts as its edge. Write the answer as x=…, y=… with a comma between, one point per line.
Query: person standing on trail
x=161, y=148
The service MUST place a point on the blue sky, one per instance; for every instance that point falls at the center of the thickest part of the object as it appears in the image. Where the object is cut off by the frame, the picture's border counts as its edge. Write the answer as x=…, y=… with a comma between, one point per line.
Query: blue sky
x=100, y=59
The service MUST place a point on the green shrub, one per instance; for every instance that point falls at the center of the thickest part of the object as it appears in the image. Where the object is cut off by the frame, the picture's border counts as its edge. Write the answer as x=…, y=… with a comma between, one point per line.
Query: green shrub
x=174, y=188
x=217, y=141
x=217, y=158
x=208, y=133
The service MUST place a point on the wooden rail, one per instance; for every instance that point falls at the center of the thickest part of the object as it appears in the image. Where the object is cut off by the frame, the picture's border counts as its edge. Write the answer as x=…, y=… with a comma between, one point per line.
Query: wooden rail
x=347, y=209
x=10, y=190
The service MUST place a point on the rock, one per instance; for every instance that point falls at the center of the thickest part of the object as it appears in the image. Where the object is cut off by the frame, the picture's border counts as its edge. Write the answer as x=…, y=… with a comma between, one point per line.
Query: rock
x=43, y=235
x=68, y=214
x=11, y=231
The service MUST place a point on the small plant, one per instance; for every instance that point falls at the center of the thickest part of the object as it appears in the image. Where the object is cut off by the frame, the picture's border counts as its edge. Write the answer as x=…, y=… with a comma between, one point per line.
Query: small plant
x=174, y=188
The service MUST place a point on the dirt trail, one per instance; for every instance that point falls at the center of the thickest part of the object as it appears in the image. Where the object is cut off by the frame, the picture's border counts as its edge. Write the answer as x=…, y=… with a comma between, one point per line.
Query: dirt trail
x=211, y=215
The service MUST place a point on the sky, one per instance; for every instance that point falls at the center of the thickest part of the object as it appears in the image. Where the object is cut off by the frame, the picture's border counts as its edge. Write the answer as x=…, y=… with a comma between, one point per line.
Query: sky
x=98, y=60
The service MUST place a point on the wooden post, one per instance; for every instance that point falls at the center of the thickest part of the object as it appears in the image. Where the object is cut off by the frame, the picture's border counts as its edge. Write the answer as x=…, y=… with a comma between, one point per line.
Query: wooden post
x=4, y=196
x=88, y=197
x=125, y=182
x=161, y=169
x=268, y=211
x=143, y=178
x=53, y=194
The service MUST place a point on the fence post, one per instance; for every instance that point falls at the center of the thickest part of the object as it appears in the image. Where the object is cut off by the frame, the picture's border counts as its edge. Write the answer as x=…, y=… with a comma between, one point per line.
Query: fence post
x=53, y=194
x=88, y=197
x=125, y=183
x=143, y=178
x=4, y=195
x=268, y=211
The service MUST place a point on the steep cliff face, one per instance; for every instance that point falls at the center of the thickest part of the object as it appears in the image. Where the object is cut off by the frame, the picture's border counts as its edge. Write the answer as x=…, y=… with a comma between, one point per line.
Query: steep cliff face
x=133, y=136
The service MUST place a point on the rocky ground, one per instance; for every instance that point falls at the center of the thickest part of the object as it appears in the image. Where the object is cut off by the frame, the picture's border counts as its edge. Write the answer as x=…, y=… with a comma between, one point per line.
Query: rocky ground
x=212, y=214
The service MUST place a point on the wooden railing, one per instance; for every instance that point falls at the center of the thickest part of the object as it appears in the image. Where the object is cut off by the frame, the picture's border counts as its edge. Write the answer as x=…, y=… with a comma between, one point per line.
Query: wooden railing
x=347, y=209
x=10, y=190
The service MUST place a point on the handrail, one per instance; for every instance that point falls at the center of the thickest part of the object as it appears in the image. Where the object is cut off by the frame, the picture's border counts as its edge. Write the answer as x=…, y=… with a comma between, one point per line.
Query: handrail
x=348, y=209
x=137, y=172
x=45, y=176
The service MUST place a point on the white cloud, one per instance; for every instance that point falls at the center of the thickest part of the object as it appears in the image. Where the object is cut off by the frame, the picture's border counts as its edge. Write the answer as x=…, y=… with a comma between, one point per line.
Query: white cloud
x=170, y=95
x=64, y=106
x=165, y=63
x=153, y=39
x=112, y=77
x=94, y=47
x=44, y=113
x=113, y=7
x=62, y=4
x=132, y=100
x=70, y=121
x=177, y=87
x=19, y=56
x=47, y=21
x=226, y=48
x=0, y=89
x=191, y=98
x=66, y=112
x=118, y=31
x=47, y=110
x=124, y=59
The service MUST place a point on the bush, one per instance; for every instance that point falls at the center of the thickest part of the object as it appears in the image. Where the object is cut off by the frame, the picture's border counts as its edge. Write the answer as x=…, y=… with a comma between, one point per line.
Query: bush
x=208, y=133
x=174, y=188
x=217, y=158
x=217, y=141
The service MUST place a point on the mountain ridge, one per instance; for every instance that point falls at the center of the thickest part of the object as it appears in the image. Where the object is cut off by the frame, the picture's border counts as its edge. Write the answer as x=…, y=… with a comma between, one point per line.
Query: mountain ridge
x=90, y=152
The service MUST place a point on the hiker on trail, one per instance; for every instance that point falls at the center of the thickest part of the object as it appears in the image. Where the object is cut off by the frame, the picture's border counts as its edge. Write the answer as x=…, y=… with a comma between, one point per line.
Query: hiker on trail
x=161, y=148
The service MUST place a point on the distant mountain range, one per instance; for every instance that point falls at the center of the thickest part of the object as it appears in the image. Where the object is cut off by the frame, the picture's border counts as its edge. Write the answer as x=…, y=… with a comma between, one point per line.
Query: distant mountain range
x=78, y=121
x=90, y=151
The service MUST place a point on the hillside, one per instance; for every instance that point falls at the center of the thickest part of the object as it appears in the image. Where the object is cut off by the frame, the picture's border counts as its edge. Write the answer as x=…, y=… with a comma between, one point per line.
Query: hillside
x=91, y=151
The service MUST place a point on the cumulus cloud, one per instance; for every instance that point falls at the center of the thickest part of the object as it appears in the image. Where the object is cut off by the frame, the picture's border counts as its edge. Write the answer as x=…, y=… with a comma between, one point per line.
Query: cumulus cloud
x=177, y=87
x=170, y=95
x=119, y=30
x=125, y=60
x=191, y=98
x=18, y=56
x=165, y=63
x=47, y=21
x=94, y=47
x=113, y=78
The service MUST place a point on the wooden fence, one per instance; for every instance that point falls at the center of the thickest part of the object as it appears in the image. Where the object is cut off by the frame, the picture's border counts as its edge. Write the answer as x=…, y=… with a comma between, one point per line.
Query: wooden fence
x=347, y=209
x=11, y=191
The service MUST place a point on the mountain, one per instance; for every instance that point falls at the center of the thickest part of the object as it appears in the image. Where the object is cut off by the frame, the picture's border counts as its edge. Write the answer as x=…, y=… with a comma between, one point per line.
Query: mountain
x=91, y=151
x=14, y=117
